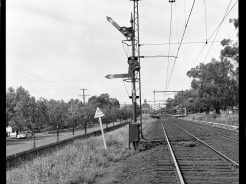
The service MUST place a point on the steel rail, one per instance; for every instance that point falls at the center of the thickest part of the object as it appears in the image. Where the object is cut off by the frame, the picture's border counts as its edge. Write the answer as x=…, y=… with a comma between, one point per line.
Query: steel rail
x=207, y=124
x=180, y=177
x=220, y=135
x=226, y=137
x=221, y=128
x=221, y=154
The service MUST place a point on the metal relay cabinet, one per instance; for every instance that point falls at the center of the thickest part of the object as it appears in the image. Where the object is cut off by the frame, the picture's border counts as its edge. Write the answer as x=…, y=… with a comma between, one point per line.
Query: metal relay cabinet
x=134, y=132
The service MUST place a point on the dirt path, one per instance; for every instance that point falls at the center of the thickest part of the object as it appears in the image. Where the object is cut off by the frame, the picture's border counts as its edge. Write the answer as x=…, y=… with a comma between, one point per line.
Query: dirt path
x=139, y=168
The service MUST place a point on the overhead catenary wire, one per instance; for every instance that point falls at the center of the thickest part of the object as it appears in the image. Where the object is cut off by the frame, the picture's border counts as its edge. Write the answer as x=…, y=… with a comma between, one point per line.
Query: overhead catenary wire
x=156, y=56
x=184, y=13
x=215, y=31
x=205, y=12
x=176, y=22
x=219, y=29
x=175, y=43
x=169, y=40
x=180, y=44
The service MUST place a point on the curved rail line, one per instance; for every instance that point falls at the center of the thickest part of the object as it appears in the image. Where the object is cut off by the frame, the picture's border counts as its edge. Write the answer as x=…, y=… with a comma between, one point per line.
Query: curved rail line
x=221, y=154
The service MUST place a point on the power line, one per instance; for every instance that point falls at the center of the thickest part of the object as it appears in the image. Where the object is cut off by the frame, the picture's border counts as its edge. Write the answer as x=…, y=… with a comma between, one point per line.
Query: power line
x=184, y=13
x=218, y=30
x=34, y=77
x=126, y=89
x=181, y=42
x=156, y=56
x=174, y=43
x=170, y=34
x=215, y=31
x=176, y=22
x=205, y=19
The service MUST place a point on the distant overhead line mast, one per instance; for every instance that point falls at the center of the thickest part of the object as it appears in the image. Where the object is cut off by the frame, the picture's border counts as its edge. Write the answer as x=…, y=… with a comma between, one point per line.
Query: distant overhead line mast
x=167, y=92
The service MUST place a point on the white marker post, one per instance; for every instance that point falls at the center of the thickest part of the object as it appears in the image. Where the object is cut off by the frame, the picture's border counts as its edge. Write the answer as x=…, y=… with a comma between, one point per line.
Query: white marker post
x=99, y=114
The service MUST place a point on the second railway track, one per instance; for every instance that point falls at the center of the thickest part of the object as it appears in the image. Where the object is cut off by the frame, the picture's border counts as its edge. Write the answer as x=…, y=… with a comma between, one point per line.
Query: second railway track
x=229, y=134
x=197, y=163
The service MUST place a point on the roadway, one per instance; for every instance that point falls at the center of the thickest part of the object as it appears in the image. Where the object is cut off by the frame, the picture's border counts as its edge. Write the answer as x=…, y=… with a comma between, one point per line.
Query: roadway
x=14, y=145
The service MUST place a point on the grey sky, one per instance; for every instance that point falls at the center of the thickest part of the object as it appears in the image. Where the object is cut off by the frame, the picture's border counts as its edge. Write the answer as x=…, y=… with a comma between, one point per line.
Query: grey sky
x=56, y=47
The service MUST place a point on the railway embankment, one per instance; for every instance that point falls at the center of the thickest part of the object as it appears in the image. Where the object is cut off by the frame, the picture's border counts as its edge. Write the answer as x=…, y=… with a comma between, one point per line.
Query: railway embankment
x=227, y=121
x=88, y=162
x=20, y=157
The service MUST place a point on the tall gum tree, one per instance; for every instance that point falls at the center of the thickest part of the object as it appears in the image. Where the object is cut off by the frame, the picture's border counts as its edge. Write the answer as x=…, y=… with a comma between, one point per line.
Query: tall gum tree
x=217, y=81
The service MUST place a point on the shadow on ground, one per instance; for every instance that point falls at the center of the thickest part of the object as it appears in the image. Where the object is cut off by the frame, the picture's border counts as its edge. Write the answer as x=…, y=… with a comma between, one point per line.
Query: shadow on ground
x=147, y=144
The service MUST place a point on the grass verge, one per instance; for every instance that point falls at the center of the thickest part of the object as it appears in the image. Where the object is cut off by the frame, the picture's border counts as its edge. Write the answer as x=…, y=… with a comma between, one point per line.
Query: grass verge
x=230, y=119
x=79, y=162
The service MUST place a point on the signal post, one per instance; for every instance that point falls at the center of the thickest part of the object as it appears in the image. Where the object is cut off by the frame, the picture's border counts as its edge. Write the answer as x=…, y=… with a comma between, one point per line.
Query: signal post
x=133, y=74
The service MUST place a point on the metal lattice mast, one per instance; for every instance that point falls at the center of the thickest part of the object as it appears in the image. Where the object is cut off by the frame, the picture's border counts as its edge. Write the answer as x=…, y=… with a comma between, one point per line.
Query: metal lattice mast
x=137, y=53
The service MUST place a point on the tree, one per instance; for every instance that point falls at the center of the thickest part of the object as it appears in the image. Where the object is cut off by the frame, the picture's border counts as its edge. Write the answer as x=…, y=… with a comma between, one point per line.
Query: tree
x=214, y=82
x=22, y=113
x=57, y=113
x=170, y=103
x=33, y=116
x=217, y=82
x=114, y=103
x=73, y=113
x=87, y=113
x=93, y=100
x=114, y=114
x=103, y=101
x=120, y=114
x=230, y=50
x=43, y=117
x=10, y=105
x=106, y=119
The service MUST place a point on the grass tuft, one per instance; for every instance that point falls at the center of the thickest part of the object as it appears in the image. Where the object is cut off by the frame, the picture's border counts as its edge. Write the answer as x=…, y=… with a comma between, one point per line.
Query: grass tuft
x=79, y=162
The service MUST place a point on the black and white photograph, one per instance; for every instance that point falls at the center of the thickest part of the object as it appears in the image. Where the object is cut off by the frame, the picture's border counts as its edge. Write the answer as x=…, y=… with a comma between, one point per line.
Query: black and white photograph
x=122, y=91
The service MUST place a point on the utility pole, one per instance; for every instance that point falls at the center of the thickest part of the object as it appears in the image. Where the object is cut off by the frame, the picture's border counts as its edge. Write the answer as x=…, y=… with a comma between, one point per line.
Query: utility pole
x=83, y=95
x=154, y=98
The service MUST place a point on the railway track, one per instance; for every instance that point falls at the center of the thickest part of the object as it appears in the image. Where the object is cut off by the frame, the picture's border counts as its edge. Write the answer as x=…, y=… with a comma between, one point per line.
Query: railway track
x=171, y=154
x=226, y=133
x=194, y=161
x=227, y=145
